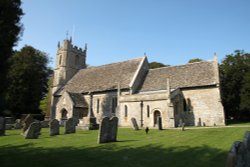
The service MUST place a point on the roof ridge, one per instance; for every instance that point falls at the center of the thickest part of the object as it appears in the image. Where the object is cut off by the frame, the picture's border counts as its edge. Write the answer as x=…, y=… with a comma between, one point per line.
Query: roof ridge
x=113, y=63
x=188, y=64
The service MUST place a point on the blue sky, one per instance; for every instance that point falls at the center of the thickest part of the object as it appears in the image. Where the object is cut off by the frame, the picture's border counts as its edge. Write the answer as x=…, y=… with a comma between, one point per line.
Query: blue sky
x=169, y=31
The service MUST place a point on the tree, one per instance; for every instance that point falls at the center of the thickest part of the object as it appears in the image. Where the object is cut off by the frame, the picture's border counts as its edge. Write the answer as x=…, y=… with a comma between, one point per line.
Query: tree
x=155, y=64
x=235, y=70
x=28, y=79
x=45, y=102
x=195, y=60
x=245, y=95
x=10, y=28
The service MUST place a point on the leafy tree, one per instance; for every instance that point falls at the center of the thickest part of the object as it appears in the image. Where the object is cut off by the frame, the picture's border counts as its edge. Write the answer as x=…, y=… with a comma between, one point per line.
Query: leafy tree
x=195, y=60
x=28, y=79
x=10, y=27
x=155, y=64
x=45, y=102
x=235, y=70
x=245, y=94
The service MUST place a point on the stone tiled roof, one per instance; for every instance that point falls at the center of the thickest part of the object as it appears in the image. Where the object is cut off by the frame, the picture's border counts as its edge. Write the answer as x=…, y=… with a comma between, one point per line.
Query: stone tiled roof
x=78, y=100
x=189, y=75
x=104, y=77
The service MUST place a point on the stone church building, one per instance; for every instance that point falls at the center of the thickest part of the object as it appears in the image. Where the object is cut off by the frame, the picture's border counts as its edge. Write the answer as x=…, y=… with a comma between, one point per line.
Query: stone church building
x=187, y=93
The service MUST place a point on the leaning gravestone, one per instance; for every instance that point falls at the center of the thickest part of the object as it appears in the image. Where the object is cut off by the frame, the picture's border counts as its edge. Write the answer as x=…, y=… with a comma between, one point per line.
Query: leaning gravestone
x=70, y=126
x=159, y=123
x=2, y=126
x=108, y=130
x=33, y=131
x=27, y=121
x=134, y=124
x=54, y=127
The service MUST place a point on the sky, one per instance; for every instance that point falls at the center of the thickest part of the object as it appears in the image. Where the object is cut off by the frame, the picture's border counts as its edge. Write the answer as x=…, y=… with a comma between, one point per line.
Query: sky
x=168, y=31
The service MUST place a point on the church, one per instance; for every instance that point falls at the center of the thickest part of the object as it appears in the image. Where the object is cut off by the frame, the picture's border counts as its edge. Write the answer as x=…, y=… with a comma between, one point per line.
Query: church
x=187, y=93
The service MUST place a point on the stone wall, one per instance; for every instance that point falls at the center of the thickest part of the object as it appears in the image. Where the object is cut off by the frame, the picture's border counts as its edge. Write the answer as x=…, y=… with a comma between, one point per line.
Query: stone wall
x=66, y=103
x=206, y=107
x=151, y=103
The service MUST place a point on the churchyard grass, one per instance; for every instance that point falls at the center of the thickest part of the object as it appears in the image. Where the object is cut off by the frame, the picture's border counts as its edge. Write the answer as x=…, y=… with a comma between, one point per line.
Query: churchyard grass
x=172, y=148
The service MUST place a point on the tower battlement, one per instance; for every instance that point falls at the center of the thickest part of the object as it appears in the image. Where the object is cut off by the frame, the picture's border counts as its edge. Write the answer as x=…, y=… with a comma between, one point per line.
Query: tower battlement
x=67, y=45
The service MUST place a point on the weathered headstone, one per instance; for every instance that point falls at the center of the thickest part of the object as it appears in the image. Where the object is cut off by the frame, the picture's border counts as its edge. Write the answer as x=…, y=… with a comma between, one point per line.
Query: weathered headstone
x=54, y=127
x=108, y=130
x=159, y=123
x=246, y=142
x=18, y=124
x=134, y=124
x=239, y=154
x=104, y=131
x=33, y=131
x=27, y=121
x=70, y=126
x=2, y=126
x=113, y=124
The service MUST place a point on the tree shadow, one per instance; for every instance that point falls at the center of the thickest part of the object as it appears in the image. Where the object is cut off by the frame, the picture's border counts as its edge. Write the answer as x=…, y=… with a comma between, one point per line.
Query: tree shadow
x=112, y=155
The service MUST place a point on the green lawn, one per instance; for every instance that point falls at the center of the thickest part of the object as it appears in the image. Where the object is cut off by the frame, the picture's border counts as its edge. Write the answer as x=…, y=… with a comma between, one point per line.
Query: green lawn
x=166, y=148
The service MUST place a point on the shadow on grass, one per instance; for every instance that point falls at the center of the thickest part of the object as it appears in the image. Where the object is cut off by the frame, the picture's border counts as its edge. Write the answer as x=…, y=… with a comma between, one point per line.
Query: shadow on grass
x=111, y=155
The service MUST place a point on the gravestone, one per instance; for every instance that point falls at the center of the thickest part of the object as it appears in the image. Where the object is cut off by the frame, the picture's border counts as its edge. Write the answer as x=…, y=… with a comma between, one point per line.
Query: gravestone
x=134, y=124
x=54, y=127
x=159, y=123
x=113, y=123
x=104, y=131
x=70, y=126
x=33, y=131
x=17, y=124
x=27, y=121
x=108, y=130
x=2, y=126
x=239, y=154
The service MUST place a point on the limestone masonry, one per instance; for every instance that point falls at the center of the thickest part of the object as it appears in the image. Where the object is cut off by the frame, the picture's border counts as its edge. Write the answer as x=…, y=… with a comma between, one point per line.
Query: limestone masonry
x=187, y=94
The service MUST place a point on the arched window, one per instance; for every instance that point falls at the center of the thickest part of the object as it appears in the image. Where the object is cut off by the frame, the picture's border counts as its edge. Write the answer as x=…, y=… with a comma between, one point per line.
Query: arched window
x=148, y=111
x=126, y=111
x=97, y=105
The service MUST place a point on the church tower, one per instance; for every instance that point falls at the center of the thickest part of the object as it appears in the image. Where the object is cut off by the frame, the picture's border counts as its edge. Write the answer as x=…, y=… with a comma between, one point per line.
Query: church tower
x=69, y=60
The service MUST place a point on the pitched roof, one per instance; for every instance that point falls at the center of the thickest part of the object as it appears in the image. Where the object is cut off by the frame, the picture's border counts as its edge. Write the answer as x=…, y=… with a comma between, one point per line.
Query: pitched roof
x=104, y=77
x=189, y=75
x=78, y=99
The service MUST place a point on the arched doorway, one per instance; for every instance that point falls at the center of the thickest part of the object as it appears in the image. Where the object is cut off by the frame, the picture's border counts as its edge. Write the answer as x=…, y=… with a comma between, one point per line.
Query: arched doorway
x=157, y=114
x=64, y=116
